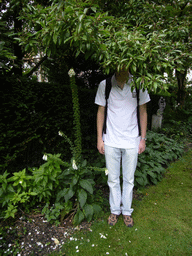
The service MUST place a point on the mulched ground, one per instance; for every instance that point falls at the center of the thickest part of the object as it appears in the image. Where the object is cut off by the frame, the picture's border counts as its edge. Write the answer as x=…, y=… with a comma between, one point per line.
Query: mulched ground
x=35, y=236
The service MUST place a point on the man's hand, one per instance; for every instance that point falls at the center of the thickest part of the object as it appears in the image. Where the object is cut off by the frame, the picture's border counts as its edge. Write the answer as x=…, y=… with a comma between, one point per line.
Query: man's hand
x=142, y=146
x=101, y=147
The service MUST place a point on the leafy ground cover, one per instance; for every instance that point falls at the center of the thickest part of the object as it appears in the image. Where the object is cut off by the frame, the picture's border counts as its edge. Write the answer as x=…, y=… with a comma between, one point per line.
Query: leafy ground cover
x=162, y=218
x=162, y=224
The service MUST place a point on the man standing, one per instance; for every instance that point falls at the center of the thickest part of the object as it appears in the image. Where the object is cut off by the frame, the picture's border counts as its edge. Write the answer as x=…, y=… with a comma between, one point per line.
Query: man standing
x=122, y=142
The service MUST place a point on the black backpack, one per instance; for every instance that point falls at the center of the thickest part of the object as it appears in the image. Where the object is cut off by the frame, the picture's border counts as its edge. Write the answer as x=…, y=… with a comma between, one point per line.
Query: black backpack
x=107, y=92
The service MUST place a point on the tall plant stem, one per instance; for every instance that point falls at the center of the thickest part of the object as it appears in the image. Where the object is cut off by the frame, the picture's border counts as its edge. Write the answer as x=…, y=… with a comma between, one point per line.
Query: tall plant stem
x=76, y=115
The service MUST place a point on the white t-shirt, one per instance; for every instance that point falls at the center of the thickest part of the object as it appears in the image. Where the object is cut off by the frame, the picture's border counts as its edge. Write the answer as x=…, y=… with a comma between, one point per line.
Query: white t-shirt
x=122, y=128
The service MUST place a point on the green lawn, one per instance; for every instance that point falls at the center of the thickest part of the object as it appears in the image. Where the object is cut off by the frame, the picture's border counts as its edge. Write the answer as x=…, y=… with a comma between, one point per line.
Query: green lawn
x=163, y=221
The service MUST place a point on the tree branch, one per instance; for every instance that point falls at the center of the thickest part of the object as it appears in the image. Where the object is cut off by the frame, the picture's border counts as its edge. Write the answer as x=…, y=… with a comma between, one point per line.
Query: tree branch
x=36, y=67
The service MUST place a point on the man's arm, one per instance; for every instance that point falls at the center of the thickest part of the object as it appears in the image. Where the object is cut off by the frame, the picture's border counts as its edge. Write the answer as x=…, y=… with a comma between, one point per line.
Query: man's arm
x=100, y=122
x=143, y=124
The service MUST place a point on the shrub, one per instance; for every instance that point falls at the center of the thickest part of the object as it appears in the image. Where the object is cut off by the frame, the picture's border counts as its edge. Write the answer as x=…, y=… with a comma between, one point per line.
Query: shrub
x=32, y=113
x=159, y=152
x=69, y=185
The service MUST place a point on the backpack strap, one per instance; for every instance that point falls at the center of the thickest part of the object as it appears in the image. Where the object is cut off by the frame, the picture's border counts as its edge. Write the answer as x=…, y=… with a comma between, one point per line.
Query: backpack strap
x=138, y=113
x=107, y=92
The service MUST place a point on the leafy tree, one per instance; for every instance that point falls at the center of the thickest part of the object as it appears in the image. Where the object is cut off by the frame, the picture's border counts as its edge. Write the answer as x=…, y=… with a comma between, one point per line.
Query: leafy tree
x=150, y=37
x=12, y=52
x=137, y=34
x=170, y=18
x=5, y=52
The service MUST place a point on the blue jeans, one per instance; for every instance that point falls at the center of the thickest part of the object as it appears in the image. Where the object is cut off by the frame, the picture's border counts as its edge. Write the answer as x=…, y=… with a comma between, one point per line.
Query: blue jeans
x=120, y=202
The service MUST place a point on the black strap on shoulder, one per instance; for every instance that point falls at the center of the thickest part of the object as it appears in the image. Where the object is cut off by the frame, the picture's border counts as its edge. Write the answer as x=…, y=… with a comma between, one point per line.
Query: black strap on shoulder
x=107, y=92
x=138, y=113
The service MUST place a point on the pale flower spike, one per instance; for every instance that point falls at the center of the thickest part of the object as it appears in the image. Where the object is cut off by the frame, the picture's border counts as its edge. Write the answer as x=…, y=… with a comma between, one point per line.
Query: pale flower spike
x=71, y=72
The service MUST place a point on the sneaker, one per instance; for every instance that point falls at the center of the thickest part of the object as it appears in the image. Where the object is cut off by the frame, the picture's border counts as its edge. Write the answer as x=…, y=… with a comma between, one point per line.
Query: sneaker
x=112, y=220
x=128, y=221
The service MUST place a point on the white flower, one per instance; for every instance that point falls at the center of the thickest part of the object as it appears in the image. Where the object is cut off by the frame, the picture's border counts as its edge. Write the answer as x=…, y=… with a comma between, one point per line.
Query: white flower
x=56, y=241
x=74, y=165
x=45, y=157
x=40, y=244
x=60, y=133
x=106, y=172
x=71, y=72
x=102, y=236
x=20, y=181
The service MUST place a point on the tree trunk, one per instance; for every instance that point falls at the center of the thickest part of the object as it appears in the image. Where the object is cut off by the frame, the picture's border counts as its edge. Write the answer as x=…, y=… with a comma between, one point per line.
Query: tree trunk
x=181, y=80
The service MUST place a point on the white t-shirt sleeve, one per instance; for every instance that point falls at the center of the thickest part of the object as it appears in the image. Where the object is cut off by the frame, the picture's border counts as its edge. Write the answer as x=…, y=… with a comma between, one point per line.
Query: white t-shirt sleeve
x=143, y=97
x=100, y=96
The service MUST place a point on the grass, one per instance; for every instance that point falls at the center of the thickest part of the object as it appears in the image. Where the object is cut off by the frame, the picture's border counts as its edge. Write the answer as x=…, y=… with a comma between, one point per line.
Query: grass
x=163, y=221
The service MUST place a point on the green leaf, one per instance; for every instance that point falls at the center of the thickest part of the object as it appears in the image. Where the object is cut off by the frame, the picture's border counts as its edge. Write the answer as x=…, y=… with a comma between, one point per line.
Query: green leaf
x=84, y=163
x=13, y=178
x=55, y=38
x=138, y=173
x=81, y=17
x=79, y=216
x=93, y=9
x=152, y=174
x=1, y=192
x=69, y=195
x=74, y=181
x=4, y=187
x=96, y=209
x=33, y=193
x=61, y=194
x=88, y=210
x=141, y=181
x=82, y=197
x=86, y=185
x=50, y=186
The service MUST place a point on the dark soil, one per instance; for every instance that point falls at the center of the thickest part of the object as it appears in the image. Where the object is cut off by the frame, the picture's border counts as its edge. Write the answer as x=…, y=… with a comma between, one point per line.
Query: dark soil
x=35, y=236
x=31, y=234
